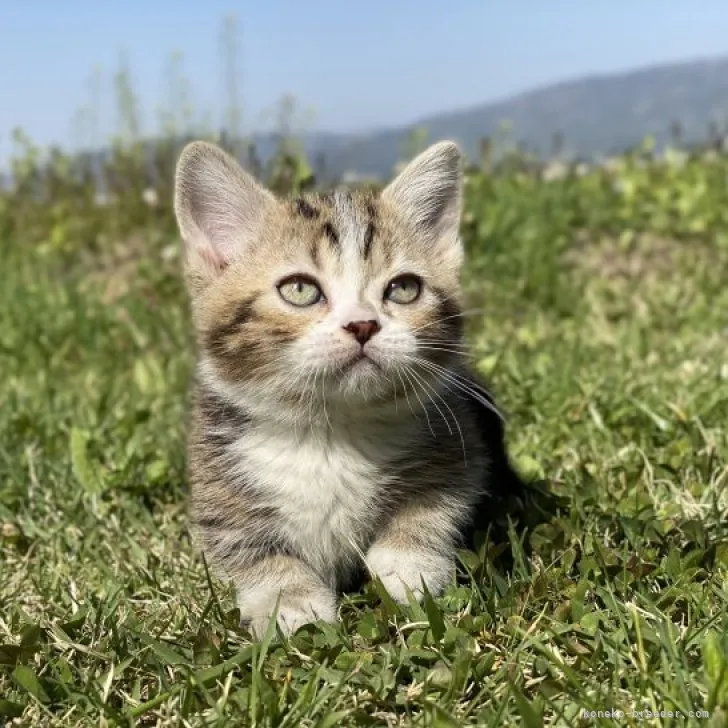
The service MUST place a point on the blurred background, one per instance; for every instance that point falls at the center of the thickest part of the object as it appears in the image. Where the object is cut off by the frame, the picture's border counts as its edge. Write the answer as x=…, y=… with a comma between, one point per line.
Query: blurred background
x=580, y=80
x=98, y=100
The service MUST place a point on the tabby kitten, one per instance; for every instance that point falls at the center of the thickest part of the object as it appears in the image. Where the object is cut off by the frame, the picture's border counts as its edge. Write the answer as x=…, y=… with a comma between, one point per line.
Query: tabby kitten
x=335, y=424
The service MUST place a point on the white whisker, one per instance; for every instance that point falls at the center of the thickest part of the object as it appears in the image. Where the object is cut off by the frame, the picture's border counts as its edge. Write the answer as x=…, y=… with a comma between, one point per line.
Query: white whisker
x=406, y=395
x=447, y=350
x=449, y=409
x=406, y=371
x=461, y=314
x=425, y=388
x=464, y=385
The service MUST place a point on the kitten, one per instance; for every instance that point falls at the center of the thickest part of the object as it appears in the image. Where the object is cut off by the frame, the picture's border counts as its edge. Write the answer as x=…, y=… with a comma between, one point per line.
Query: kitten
x=335, y=424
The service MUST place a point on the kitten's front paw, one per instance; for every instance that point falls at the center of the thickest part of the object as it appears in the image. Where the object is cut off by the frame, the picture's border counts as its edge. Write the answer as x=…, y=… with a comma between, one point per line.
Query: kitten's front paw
x=293, y=611
x=398, y=568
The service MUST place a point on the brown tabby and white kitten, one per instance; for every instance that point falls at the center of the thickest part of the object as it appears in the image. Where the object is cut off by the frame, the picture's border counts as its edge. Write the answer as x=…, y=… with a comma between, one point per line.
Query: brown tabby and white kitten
x=335, y=423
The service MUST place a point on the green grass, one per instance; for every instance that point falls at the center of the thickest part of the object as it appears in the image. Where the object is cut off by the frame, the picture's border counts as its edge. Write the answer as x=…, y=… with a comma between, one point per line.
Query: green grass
x=611, y=362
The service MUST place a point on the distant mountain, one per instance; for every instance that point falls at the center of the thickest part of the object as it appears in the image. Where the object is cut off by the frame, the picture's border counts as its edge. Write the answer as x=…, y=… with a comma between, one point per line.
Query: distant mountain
x=596, y=115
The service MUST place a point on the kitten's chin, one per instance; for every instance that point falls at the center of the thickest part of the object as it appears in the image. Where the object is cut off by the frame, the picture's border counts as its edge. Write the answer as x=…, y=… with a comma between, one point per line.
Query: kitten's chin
x=361, y=378
x=359, y=363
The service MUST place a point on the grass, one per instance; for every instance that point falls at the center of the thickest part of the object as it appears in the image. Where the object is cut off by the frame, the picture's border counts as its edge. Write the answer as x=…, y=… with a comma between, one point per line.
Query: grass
x=607, y=351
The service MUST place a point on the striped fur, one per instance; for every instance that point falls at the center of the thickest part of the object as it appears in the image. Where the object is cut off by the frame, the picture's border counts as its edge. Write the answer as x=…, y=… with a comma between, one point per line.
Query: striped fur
x=308, y=463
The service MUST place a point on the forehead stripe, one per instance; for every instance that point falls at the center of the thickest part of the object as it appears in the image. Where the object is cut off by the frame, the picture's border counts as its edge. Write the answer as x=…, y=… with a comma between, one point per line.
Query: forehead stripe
x=305, y=209
x=369, y=232
x=330, y=232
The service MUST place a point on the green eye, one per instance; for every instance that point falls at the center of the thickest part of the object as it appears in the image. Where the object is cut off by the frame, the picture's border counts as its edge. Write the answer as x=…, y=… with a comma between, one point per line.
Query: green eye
x=300, y=291
x=405, y=289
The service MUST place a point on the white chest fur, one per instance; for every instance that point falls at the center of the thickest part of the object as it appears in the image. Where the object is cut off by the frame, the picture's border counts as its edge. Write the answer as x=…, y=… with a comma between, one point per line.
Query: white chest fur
x=324, y=485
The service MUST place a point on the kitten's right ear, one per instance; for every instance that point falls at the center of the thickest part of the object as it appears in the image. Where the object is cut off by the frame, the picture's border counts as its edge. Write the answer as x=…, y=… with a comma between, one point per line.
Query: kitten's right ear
x=218, y=206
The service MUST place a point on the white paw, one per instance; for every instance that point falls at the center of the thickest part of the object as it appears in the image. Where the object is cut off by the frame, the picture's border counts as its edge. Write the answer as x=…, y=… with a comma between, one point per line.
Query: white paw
x=399, y=570
x=293, y=611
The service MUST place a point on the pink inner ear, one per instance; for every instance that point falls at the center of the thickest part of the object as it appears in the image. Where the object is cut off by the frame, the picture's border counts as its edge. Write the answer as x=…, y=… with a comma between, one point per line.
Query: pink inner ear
x=212, y=259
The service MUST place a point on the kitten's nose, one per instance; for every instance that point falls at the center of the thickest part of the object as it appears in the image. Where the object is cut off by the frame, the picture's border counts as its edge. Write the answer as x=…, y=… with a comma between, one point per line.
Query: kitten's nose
x=362, y=331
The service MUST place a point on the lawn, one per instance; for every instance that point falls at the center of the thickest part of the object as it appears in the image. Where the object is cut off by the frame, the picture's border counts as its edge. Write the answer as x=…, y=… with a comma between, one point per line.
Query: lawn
x=600, y=315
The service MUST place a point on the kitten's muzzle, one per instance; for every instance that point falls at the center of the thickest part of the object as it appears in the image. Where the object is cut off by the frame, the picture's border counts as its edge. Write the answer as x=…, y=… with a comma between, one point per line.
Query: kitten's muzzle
x=362, y=331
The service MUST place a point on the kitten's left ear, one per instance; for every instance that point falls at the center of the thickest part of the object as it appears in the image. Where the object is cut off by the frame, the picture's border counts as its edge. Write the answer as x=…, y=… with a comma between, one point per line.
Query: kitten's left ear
x=429, y=193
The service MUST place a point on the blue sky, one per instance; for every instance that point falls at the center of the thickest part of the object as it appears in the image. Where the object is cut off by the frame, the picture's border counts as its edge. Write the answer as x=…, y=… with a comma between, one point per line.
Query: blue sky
x=356, y=65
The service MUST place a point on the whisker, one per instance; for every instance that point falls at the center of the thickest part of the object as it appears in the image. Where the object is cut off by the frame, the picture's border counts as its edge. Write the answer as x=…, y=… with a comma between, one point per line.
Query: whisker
x=449, y=409
x=323, y=399
x=406, y=371
x=390, y=379
x=447, y=349
x=444, y=342
x=461, y=314
x=425, y=388
x=406, y=395
x=301, y=403
x=306, y=396
x=464, y=385
x=312, y=400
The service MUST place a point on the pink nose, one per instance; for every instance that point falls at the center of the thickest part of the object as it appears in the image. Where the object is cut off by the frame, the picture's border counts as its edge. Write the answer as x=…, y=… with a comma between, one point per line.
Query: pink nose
x=362, y=331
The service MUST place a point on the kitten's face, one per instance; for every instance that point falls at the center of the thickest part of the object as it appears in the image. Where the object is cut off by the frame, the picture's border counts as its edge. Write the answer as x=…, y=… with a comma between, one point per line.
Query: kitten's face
x=343, y=297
